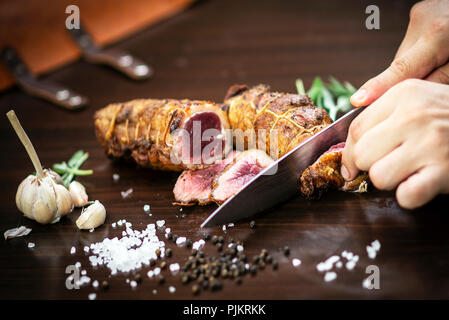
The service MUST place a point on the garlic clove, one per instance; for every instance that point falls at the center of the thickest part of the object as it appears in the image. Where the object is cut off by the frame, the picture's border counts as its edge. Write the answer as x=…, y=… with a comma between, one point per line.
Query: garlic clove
x=42, y=213
x=63, y=200
x=27, y=196
x=55, y=176
x=78, y=194
x=92, y=217
x=19, y=194
x=47, y=194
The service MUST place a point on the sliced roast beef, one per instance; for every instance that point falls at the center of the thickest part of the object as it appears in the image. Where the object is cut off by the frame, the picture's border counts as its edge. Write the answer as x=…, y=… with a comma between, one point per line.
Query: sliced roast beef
x=195, y=186
x=324, y=174
x=238, y=173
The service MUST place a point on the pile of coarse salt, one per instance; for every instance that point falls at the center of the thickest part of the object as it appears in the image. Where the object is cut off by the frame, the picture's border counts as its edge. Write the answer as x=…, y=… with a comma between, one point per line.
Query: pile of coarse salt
x=351, y=261
x=351, y=258
x=132, y=251
x=329, y=263
x=373, y=249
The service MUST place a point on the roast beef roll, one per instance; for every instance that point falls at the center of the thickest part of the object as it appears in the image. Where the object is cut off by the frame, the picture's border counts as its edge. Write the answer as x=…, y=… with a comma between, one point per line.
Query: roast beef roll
x=164, y=134
x=272, y=121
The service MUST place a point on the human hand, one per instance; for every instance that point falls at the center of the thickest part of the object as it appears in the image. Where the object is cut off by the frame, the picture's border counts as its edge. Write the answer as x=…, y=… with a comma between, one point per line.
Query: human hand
x=402, y=139
x=423, y=54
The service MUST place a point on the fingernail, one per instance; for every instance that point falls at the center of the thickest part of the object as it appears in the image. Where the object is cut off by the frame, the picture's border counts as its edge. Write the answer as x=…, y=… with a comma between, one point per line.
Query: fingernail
x=359, y=97
x=344, y=173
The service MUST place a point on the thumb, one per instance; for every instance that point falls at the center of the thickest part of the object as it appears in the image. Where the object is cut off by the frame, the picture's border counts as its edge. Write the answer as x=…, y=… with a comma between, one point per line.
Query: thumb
x=440, y=75
x=417, y=62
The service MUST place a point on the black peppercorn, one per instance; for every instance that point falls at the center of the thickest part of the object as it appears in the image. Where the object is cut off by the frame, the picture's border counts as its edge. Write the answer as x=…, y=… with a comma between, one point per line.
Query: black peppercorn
x=216, y=285
x=253, y=270
x=275, y=265
x=188, y=243
x=219, y=246
x=268, y=259
x=214, y=239
x=105, y=285
x=207, y=237
x=185, y=279
x=163, y=265
x=238, y=280
x=195, y=289
x=158, y=253
x=286, y=250
x=168, y=252
x=161, y=279
x=224, y=273
x=138, y=278
x=152, y=262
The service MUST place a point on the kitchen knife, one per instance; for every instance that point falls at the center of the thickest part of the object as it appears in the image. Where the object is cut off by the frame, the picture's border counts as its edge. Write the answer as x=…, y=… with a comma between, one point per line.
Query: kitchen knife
x=267, y=189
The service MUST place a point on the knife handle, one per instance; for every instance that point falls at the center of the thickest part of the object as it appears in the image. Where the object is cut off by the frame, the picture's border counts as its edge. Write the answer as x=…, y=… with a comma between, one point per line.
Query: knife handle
x=53, y=92
x=120, y=60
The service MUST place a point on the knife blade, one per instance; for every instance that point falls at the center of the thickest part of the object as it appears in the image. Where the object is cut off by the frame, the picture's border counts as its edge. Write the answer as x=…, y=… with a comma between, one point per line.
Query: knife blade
x=267, y=189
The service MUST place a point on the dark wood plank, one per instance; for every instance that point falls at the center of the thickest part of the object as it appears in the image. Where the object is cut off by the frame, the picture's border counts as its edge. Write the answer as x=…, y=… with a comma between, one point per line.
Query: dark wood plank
x=198, y=54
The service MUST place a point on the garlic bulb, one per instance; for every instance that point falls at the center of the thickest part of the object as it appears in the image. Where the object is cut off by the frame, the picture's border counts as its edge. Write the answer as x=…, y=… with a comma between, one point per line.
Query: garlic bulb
x=78, y=194
x=40, y=197
x=91, y=217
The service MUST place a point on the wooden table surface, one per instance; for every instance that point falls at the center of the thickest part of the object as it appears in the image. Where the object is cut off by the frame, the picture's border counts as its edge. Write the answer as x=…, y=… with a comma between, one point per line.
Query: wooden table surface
x=198, y=54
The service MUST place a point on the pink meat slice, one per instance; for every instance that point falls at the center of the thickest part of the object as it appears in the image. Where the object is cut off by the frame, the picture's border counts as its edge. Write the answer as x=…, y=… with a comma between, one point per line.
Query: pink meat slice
x=195, y=186
x=336, y=147
x=237, y=174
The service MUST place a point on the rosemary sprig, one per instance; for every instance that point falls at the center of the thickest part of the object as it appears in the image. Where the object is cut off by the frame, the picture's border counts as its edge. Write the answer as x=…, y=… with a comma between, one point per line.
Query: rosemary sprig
x=71, y=168
x=333, y=96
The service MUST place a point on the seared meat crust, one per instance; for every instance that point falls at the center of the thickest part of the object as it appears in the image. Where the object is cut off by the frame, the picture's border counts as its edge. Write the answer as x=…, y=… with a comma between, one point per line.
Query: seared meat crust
x=293, y=117
x=324, y=175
